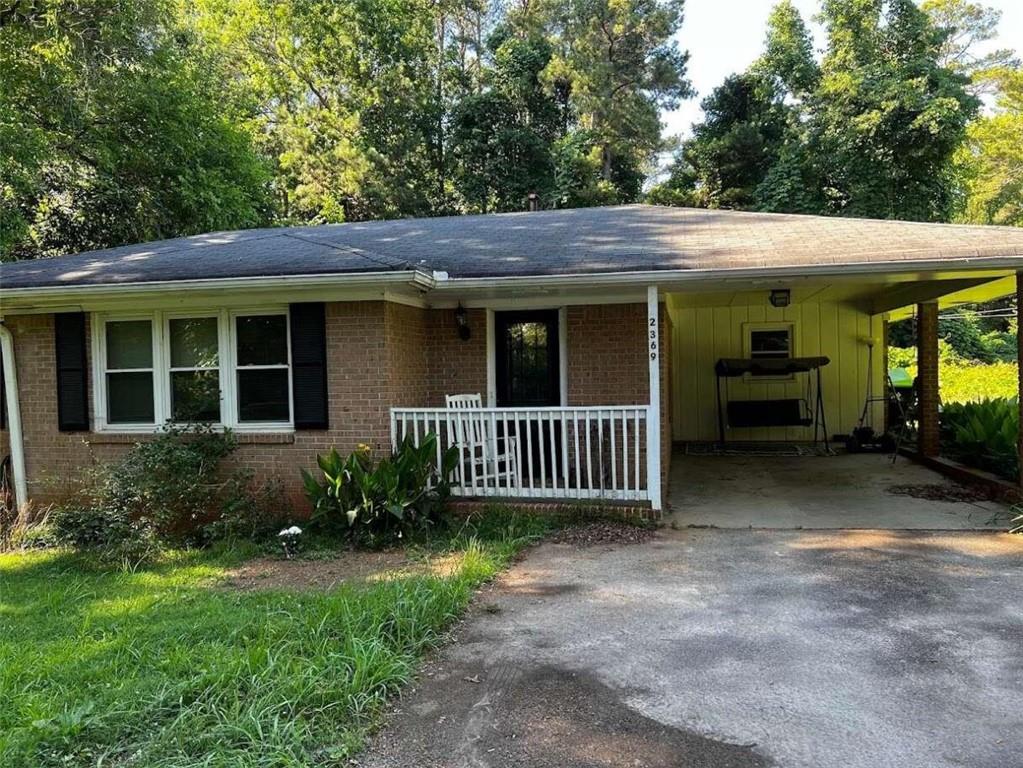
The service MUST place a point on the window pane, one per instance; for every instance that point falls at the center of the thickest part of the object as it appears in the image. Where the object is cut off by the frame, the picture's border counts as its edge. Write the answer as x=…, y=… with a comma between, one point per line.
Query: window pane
x=263, y=395
x=130, y=398
x=769, y=343
x=129, y=344
x=193, y=342
x=195, y=395
x=262, y=340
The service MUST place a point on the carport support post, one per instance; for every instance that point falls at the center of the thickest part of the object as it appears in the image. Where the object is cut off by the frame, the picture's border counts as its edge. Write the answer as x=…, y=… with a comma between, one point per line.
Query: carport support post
x=1019, y=374
x=653, y=414
x=927, y=377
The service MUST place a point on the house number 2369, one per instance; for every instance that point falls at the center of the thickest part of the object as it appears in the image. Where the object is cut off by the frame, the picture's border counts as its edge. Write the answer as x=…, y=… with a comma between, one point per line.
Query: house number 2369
x=653, y=338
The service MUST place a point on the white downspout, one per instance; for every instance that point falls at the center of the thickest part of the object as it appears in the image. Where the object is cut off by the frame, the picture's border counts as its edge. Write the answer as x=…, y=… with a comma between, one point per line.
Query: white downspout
x=653, y=417
x=13, y=417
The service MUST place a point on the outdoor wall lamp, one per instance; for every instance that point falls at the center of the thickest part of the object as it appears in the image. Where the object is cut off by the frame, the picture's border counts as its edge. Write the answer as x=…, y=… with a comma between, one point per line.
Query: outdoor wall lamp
x=462, y=321
x=781, y=297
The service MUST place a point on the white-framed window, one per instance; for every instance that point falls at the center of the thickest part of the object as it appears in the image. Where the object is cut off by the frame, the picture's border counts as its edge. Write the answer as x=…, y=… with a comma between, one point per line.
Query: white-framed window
x=261, y=357
x=769, y=341
x=193, y=368
x=129, y=358
x=232, y=369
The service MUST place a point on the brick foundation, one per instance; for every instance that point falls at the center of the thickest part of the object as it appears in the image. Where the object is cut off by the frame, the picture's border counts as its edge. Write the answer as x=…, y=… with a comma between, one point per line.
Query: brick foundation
x=569, y=510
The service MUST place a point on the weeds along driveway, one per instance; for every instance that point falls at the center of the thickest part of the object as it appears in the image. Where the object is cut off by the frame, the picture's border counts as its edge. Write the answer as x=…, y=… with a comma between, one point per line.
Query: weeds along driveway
x=861, y=649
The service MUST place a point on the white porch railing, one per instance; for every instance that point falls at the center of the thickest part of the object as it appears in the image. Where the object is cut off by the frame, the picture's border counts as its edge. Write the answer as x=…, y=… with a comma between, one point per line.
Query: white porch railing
x=560, y=453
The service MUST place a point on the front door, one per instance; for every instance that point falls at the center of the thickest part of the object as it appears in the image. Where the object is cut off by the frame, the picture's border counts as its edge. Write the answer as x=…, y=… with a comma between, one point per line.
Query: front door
x=528, y=373
x=528, y=376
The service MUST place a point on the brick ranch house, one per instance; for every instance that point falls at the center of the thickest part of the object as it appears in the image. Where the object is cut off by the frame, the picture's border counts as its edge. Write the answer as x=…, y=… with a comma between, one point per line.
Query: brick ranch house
x=593, y=337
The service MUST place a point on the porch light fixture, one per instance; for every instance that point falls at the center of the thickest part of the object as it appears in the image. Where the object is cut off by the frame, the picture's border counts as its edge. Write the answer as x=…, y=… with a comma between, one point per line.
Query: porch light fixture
x=462, y=321
x=781, y=297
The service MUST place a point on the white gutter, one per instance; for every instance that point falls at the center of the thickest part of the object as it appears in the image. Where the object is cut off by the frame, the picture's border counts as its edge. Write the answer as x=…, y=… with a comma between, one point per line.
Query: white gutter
x=661, y=276
x=13, y=417
x=417, y=278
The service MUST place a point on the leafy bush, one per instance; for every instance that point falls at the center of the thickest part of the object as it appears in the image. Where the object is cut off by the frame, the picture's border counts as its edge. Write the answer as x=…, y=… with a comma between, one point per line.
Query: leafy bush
x=167, y=490
x=962, y=380
x=966, y=382
x=969, y=334
x=983, y=434
x=376, y=504
x=108, y=531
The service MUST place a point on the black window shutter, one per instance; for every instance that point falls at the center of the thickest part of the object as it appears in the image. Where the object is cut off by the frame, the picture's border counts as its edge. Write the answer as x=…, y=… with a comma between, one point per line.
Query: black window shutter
x=309, y=365
x=3, y=395
x=72, y=375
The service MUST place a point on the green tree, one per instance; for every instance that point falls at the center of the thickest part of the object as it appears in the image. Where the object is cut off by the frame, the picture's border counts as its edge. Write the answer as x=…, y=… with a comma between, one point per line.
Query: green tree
x=788, y=51
x=501, y=139
x=887, y=116
x=620, y=66
x=967, y=26
x=111, y=131
x=990, y=164
x=345, y=100
x=731, y=151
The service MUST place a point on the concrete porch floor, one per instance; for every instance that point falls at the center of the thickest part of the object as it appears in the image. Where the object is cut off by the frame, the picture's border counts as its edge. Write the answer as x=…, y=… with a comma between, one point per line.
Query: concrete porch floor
x=825, y=492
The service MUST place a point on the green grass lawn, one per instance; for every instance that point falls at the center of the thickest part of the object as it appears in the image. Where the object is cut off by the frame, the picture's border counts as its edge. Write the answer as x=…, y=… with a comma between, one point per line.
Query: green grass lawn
x=164, y=667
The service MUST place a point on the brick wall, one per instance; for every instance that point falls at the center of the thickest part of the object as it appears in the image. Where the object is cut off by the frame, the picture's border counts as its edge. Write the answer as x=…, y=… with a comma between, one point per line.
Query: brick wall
x=456, y=367
x=927, y=376
x=379, y=355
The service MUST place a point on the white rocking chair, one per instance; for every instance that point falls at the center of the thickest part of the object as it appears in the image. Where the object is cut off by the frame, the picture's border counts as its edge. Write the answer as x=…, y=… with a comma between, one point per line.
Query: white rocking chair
x=486, y=454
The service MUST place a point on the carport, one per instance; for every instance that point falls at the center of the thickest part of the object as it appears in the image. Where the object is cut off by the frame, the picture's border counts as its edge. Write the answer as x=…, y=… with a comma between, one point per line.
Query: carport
x=820, y=492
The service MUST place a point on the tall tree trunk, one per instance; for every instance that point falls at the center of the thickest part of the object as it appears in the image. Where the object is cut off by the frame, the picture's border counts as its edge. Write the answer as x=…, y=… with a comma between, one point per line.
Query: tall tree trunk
x=605, y=155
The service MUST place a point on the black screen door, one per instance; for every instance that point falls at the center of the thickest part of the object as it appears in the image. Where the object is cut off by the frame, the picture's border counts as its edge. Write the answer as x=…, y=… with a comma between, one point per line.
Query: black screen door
x=527, y=359
x=528, y=376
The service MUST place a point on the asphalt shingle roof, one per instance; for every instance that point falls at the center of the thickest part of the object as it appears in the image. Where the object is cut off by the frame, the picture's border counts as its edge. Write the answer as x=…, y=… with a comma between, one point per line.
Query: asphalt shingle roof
x=585, y=240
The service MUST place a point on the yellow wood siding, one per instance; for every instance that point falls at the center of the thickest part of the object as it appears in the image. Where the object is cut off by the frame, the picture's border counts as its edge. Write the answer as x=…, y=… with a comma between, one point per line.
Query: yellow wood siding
x=703, y=334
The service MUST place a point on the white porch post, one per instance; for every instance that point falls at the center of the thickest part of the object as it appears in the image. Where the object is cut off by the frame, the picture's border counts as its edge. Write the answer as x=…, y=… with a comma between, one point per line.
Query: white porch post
x=653, y=417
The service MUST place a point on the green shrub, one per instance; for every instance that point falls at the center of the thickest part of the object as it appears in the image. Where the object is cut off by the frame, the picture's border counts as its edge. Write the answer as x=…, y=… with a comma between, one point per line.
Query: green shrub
x=966, y=382
x=110, y=532
x=169, y=490
x=962, y=380
x=983, y=434
x=402, y=494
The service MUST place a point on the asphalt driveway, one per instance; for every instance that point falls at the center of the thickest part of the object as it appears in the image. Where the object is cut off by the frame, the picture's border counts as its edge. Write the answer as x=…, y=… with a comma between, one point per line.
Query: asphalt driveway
x=713, y=648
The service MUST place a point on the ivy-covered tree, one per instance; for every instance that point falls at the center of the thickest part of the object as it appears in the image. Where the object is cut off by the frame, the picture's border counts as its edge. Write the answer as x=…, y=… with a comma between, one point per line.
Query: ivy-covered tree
x=870, y=131
x=887, y=116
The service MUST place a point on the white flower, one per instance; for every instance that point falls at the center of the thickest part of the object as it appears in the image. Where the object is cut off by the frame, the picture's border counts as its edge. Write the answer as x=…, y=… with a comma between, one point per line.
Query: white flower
x=292, y=531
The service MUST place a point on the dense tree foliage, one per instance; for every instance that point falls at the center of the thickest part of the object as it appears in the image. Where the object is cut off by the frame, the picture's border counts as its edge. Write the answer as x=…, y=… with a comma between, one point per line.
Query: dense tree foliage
x=111, y=130
x=126, y=120
x=991, y=162
x=870, y=130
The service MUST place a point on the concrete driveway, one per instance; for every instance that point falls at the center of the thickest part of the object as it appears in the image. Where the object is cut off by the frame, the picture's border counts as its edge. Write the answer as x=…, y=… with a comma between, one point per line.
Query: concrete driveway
x=714, y=648
x=862, y=490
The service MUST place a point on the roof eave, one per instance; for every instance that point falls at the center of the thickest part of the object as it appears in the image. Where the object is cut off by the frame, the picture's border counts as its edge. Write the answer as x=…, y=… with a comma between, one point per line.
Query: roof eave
x=416, y=278
x=674, y=276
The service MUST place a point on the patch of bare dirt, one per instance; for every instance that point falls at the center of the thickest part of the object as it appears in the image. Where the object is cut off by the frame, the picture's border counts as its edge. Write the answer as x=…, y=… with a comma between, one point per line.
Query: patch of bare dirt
x=942, y=492
x=602, y=532
x=275, y=573
x=265, y=573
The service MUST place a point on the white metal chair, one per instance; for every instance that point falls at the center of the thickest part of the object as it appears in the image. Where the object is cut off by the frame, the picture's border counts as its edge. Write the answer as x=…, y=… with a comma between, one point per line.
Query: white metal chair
x=480, y=446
